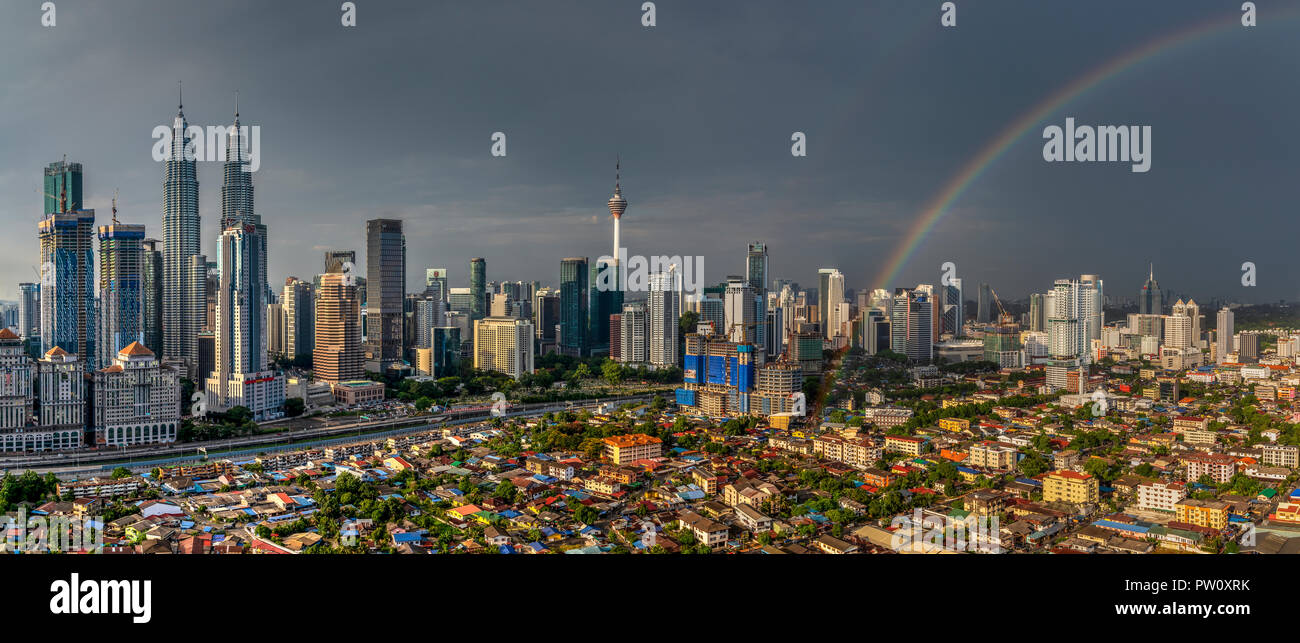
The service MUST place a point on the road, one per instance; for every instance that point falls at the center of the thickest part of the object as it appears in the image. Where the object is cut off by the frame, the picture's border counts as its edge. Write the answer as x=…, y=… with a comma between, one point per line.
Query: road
x=145, y=459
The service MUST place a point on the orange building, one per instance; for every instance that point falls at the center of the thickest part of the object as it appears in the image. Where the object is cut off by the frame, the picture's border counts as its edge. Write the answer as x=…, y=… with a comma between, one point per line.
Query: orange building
x=622, y=449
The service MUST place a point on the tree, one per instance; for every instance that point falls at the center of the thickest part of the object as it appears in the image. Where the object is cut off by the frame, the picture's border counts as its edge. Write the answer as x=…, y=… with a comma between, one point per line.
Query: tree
x=239, y=415
x=121, y=472
x=294, y=406
x=688, y=323
x=612, y=371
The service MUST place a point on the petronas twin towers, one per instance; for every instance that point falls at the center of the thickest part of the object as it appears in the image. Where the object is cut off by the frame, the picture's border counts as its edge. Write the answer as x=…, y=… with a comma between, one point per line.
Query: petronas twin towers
x=238, y=375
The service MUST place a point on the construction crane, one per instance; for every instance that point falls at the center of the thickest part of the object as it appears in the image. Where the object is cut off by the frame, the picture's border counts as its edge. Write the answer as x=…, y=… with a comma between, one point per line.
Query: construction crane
x=1004, y=318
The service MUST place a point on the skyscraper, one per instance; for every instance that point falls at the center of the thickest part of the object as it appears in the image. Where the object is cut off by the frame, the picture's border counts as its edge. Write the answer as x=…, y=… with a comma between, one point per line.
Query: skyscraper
x=912, y=324
x=183, y=313
x=1192, y=311
x=1178, y=331
x=62, y=179
x=546, y=317
x=237, y=191
x=152, y=298
x=604, y=299
x=1069, y=323
x=830, y=294
x=338, y=260
x=68, y=281
x=1097, y=312
x=633, y=339
x=298, y=305
x=435, y=283
x=29, y=310
x=824, y=302
x=1037, y=312
x=984, y=310
x=1223, y=334
x=478, y=288
x=664, y=311
x=954, y=313
x=573, y=306
x=739, y=310
x=241, y=376
x=338, y=354
x=385, y=291
x=1149, y=299
x=121, y=287
x=757, y=275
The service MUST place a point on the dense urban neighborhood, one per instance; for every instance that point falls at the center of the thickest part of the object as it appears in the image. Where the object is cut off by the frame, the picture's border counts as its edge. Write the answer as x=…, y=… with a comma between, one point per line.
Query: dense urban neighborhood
x=893, y=458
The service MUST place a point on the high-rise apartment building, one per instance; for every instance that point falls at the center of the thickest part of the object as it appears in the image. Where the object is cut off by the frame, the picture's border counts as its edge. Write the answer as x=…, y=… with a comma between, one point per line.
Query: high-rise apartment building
x=29, y=310
x=634, y=341
x=1037, y=312
x=1223, y=334
x=1096, y=312
x=1178, y=331
x=740, y=309
x=664, y=311
x=829, y=294
x=1069, y=329
x=1192, y=311
x=504, y=344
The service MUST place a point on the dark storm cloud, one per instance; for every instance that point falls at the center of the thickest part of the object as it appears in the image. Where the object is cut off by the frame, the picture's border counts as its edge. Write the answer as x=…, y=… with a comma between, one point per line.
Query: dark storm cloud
x=393, y=118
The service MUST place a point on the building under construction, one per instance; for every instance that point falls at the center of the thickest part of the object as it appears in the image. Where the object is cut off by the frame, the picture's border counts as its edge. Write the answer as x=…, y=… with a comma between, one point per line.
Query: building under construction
x=727, y=379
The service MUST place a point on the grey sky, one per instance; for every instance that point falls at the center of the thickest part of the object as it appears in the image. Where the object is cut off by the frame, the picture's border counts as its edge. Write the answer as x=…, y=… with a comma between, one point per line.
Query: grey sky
x=393, y=117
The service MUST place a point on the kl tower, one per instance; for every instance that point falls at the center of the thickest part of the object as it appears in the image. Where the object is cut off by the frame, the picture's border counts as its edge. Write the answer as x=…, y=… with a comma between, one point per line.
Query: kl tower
x=617, y=204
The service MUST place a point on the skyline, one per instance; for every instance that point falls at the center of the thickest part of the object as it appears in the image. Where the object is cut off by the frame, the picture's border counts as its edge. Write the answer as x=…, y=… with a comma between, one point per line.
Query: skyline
x=453, y=196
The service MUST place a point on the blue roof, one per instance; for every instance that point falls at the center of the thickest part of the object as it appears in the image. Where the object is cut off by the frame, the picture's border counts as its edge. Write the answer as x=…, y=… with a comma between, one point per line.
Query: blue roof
x=1121, y=526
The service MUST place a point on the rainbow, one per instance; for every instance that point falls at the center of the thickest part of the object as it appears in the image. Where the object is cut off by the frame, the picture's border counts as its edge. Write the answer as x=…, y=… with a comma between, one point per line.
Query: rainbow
x=973, y=169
